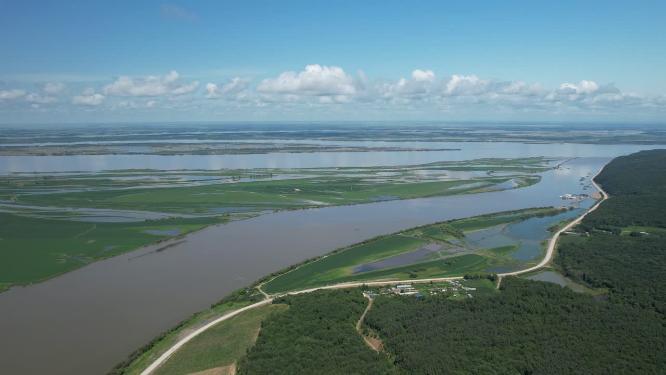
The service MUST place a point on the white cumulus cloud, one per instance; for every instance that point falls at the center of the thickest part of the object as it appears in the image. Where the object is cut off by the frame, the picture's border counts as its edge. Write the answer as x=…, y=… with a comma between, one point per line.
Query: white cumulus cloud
x=11, y=94
x=420, y=86
x=89, y=98
x=315, y=80
x=465, y=85
x=53, y=88
x=236, y=88
x=168, y=85
x=330, y=88
x=40, y=99
x=212, y=90
x=582, y=87
x=423, y=75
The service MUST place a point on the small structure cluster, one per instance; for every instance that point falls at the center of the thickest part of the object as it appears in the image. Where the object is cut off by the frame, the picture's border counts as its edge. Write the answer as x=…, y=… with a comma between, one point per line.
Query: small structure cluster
x=452, y=288
x=574, y=197
x=404, y=289
x=456, y=289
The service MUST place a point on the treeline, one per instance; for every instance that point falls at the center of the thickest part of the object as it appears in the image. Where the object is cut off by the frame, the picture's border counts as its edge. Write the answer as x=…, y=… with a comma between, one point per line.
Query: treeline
x=529, y=328
x=629, y=262
x=637, y=187
x=621, y=211
x=316, y=335
x=641, y=173
x=630, y=268
x=534, y=327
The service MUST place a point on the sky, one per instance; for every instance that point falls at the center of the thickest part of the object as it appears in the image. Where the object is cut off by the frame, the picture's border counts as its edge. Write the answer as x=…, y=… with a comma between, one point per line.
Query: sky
x=151, y=61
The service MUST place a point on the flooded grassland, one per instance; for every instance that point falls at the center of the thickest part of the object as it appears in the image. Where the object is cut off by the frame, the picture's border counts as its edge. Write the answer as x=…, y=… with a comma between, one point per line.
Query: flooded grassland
x=83, y=217
x=108, y=308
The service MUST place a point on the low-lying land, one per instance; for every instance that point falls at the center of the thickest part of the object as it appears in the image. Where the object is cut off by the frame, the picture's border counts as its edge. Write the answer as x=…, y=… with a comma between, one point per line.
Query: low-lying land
x=194, y=148
x=523, y=327
x=224, y=191
x=83, y=217
x=144, y=356
x=244, y=133
x=447, y=231
x=33, y=249
x=435, y=250
x=220, y=347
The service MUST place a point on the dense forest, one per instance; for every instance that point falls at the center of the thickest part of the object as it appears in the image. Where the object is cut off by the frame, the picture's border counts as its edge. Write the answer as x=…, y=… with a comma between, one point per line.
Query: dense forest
x=637, y=187
x=641, y=173
x=630, y=268
x=530, y=327
x=622, y=246
x=316, y=335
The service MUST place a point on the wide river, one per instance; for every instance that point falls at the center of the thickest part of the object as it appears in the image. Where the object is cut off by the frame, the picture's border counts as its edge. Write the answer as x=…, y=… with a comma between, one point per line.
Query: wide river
x=86, y=321
x=467, y=151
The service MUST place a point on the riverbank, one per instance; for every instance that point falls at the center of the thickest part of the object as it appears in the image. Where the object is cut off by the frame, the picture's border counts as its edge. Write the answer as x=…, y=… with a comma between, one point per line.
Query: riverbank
x=163, y=357
x=131, y=299
x=269, y=298
x=85, y=218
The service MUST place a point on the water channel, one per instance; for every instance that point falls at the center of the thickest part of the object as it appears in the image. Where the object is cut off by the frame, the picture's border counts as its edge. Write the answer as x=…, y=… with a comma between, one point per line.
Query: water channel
x=88, y=320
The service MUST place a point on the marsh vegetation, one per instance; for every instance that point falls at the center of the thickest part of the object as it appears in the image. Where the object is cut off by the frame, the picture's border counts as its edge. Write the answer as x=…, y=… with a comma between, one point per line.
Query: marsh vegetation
x=83, y=217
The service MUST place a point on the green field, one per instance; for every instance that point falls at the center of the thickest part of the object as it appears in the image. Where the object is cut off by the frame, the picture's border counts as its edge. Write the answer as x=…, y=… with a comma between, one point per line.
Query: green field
x=144, y=356
x=34, y=249
x=260, y=195
x=74, y=214
x=221, y=346
x=340, y=265
x=197, y=191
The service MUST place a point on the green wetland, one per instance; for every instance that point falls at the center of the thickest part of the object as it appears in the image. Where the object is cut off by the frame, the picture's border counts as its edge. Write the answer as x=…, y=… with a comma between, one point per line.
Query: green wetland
x=134, y=296
x=83, y=217
x=480, y=244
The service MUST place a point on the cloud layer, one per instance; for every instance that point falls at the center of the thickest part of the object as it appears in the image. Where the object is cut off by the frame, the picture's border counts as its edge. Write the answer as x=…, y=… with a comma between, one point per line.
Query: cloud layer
x=318, y=87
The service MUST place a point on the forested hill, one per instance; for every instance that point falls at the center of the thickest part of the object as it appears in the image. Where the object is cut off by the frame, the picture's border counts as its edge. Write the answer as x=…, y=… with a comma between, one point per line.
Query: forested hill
x=637, y=186
x=624, y=246
x=641, y=173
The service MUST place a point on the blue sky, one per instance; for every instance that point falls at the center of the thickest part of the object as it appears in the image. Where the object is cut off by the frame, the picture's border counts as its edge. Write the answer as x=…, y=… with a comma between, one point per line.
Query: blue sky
x=79, y=61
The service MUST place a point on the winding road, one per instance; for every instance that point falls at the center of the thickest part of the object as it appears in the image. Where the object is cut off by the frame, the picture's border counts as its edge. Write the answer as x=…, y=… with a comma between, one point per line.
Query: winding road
x=550, y=251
